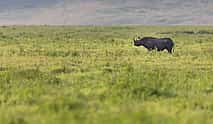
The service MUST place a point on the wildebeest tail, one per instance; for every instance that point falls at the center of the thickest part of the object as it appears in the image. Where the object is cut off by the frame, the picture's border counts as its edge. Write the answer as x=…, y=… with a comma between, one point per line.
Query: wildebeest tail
x=173, y=47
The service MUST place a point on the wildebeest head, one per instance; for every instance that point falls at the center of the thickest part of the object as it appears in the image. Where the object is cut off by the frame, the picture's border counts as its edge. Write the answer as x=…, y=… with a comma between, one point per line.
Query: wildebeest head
x=138, y=41
x=142, y=41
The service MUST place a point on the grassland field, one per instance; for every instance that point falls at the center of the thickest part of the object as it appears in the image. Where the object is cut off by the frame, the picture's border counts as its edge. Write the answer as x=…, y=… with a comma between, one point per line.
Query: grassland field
x=94, y=75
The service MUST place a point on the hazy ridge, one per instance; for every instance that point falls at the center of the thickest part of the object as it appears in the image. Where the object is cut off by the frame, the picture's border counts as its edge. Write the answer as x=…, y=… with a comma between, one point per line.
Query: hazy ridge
x=106, y=12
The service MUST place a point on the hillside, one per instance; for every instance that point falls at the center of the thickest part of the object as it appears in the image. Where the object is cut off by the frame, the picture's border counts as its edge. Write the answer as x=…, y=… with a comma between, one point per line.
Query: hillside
x=106, y=12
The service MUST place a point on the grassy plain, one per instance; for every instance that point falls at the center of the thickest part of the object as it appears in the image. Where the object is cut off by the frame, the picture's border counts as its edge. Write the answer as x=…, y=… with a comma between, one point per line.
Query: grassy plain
x=94, y=75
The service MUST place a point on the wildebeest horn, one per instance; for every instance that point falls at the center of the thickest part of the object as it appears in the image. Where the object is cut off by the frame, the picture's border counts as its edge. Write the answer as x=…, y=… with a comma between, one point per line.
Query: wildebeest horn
x=135, y=39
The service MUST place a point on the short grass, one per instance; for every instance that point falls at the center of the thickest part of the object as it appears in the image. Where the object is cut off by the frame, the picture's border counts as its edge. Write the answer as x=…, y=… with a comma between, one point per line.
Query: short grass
x=94, y=75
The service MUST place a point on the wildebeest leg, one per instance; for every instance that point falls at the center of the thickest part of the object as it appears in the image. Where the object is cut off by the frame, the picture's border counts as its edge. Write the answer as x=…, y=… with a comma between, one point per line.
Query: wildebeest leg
x=150, y=49
x=158, y=49
x=169, y=50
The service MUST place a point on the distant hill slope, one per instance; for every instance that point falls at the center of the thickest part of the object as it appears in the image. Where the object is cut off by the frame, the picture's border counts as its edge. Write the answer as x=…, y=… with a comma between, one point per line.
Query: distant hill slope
x=106, y=12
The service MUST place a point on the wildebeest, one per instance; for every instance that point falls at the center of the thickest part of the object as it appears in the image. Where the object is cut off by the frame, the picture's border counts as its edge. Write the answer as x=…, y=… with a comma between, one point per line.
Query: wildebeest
x=152, y=43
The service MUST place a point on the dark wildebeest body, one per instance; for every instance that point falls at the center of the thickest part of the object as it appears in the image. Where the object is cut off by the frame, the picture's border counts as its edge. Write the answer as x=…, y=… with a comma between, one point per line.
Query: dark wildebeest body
x=152, y=43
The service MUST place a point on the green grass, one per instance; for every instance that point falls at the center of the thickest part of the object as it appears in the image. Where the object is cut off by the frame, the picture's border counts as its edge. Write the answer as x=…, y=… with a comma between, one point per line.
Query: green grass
x=93, y=75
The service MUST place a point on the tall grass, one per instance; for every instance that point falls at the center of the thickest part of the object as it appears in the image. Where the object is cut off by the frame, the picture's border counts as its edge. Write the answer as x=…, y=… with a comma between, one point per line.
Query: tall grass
x=89, y=74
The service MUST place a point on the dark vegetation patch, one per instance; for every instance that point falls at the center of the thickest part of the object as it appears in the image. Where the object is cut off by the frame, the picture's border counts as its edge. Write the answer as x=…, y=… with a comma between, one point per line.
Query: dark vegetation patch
x=71, y=53
x=64, y=69
x=29, y=35
x=3, y=68
x=201, y=32
x=17, y=120
x=68, y=103
x=58, y=53
x=204, y=32
x=29, y=75
x=5, y=36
